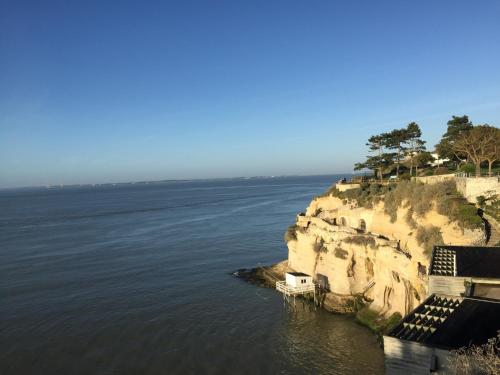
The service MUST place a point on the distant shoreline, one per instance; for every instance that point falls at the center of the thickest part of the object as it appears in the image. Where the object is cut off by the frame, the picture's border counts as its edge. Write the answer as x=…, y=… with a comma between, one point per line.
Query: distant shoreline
x=172, y=181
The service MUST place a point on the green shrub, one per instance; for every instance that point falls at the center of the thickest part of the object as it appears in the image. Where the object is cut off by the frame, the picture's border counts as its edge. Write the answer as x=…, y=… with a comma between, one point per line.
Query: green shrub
x=416, y=197
x=369, y=318
x=405, y=177
x=332, y=190
x=481, y=200
x=467, y=216
x=291, y=233
x=468, y=168
x=441, y=170
x=361, y=240
x=355, y=304
x=493, y=209
x=392, y=321
x=428, y=237
x=340, y=253
x=376, y=322
x=409, y=218
x=420, y=199
x=458, y=209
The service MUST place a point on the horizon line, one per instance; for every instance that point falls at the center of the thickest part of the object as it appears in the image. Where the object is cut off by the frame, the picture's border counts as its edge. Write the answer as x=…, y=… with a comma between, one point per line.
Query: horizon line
x=52, y=186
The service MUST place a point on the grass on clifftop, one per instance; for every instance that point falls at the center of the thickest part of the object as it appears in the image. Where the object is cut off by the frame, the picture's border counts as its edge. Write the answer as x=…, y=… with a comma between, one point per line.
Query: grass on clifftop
x=418, y=198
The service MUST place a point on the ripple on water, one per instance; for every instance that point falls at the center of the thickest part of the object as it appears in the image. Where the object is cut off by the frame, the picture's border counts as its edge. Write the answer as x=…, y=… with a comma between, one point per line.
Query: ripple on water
x=136, y=280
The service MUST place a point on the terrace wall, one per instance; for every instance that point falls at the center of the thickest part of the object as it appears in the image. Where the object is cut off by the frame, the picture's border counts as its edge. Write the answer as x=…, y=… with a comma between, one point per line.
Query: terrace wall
x=434, y=179
x=473, y=187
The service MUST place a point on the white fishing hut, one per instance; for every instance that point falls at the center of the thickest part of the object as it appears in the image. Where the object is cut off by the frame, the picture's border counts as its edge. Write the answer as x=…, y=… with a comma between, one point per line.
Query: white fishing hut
x=296, y=283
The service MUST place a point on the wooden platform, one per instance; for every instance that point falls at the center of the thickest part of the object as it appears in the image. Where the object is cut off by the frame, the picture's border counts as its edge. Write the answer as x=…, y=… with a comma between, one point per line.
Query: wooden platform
x=289, y=290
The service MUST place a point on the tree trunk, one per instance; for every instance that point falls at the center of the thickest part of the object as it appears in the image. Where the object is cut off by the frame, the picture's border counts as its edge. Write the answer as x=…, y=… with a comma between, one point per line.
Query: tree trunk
x=397, y=168
x=490, y=163
x=478, y=169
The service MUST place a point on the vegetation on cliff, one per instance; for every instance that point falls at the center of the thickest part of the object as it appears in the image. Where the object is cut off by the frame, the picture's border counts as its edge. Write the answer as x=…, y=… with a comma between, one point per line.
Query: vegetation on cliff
x=490, y=205
x=420, y=198
x=403, y=150
x=428, y=237
x=477, y=359
x=376, y=322
x=367, y=241
x=464, y=141
x=291, y=233
x=417, y=198
x=391, y=148
x=376, y=274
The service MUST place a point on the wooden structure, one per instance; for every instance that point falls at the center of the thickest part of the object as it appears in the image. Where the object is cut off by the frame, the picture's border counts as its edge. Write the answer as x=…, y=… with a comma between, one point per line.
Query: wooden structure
x=465, y=271
x=296, y=284
x=462, y=310
x=422, y=341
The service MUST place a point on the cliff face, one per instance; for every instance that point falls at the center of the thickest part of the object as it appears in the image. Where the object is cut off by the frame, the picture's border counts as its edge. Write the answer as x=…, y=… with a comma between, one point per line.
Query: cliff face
x=360, y=252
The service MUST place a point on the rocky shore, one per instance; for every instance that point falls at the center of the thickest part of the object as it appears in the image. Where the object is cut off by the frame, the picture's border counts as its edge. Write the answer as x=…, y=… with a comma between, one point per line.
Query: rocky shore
x=266, y=276
x=372, y=256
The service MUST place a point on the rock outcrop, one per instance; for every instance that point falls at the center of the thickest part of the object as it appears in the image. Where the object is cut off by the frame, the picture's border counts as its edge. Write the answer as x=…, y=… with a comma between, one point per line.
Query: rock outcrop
x=359, y=254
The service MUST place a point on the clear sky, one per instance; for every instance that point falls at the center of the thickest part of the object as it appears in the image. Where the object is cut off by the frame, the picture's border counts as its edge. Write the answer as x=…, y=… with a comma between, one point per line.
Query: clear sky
x=106, y=91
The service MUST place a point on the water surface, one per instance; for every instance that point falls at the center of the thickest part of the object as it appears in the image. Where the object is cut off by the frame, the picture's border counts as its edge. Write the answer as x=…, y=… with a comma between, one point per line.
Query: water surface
x=135, y=279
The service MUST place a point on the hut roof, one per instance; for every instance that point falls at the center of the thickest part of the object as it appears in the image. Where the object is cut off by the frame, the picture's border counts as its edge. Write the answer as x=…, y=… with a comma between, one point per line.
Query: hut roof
x=298, y=274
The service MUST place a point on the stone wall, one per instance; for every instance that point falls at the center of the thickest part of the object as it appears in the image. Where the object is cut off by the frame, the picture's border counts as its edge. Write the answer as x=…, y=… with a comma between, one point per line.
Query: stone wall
x=469, y=187
x=344, y=187
x=434, y=179
x=473, y=187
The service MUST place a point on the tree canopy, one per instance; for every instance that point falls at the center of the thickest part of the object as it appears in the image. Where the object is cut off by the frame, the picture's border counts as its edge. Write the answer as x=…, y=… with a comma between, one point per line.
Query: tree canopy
x=404, y=142
x=377, y=162
x=445, y=148
x=462, y=140
x=415, y=144
x=479, y=143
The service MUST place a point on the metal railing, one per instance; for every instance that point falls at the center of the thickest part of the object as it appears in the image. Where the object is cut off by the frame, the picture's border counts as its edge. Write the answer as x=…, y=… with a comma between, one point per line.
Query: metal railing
x=472, y=175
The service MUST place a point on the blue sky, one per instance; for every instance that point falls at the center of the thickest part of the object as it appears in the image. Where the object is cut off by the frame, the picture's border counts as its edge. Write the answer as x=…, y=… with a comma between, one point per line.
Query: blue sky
x=102, y=91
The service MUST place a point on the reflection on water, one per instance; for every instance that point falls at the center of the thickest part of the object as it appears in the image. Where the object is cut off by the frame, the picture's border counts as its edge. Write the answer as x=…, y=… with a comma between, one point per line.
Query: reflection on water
x=136, y=280
x=329, y=344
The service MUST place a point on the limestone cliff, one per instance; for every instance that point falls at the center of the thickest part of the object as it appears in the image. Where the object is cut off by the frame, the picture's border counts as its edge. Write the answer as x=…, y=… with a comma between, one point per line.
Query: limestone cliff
x=361, y=253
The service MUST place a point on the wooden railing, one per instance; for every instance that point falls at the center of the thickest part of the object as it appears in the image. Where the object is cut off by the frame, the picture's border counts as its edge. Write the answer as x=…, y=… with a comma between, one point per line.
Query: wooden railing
x=290, y=290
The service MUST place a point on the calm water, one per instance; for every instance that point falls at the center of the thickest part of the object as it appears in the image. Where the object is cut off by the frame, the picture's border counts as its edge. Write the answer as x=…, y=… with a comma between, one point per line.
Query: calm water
x=135, y=279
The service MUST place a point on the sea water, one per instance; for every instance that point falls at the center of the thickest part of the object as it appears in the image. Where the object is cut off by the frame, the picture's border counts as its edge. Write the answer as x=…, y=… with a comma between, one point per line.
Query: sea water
x=136, y=279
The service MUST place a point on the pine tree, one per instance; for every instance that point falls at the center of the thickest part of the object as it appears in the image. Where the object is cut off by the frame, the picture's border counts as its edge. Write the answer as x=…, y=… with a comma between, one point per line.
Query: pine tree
x=456, y=127
x=415, y=144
